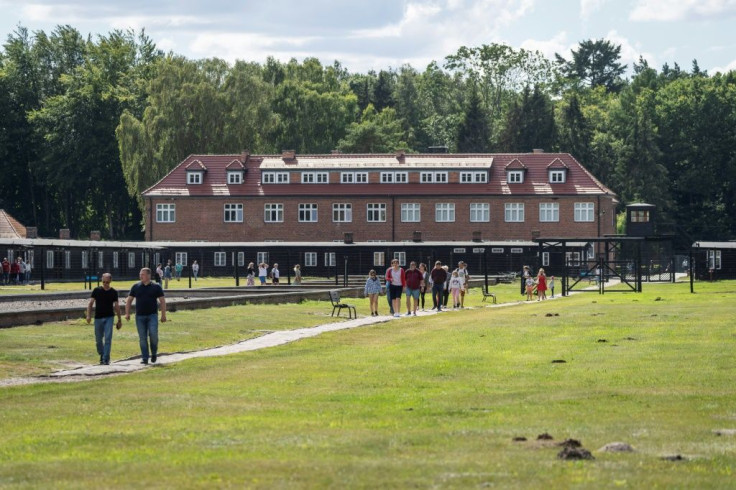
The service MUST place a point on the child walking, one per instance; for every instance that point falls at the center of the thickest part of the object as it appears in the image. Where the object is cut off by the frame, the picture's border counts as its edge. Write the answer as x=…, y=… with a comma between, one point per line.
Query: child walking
x=372, y=290
x=456, y=284
x=529, y=288
x=551, y=285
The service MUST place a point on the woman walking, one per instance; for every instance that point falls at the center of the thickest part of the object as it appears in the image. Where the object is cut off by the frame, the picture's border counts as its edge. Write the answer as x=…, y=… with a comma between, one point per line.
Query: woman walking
x=395, y=282
x=541, y=285
x=251, y=274
x=372, y=290
x=297, y=274
x=425, y=282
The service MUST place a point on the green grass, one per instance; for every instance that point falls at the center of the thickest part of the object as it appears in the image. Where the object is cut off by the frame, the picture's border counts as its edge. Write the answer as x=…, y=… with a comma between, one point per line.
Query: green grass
x=426, y=402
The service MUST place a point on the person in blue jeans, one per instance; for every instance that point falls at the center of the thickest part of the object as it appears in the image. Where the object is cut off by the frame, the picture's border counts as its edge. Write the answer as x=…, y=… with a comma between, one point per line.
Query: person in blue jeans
x=147, y=295
x=105, y=300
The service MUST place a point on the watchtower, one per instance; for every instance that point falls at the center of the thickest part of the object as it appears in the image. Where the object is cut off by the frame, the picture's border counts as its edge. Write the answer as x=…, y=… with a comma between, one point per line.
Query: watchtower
x=640, y=219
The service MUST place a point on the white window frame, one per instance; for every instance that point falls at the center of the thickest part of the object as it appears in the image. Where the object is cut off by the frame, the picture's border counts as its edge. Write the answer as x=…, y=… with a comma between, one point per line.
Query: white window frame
x=241, y=259
x=275, y=178
x=444, y=212
x=375, y=212
x=330, y=259
x=220, y=259
x=100, y=259
x=557, y=176
x=514, y=176
x=584, y=212
x=433, y=177
x=85, y=259
x=379, y=259
x=549, y=212
x=49, y=259
x=342, y=212
x=131, y=260
x=308, y=212
x=235, y=177
x=261, y=258
x=353, y=177
x=233, y=213
x=497, y=250
x=67, y=259
x=480, y=212
x=315, y=177
x=714, y=259
x=268, y=212
x=474, y=177
x=513, y=212
x=401, y=257
x=165, y=213
x=573, y=259
x=310, y=259
x=194, y=178
x=394, y=177
x=181, y=258
x=411, y=212
x=545, y=259
x=116, y=260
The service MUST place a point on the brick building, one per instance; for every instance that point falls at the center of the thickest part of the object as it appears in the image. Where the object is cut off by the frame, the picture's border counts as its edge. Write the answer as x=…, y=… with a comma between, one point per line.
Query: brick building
x=378, y=197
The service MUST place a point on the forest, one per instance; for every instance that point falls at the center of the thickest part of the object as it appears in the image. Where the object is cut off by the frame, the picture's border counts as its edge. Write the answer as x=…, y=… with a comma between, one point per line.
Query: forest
x=87, y=124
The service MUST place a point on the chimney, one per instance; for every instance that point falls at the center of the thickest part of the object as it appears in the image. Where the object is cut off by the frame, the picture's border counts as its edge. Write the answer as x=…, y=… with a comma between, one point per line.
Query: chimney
x=538, y=150
x=244, y=156
x=95, y=235
x=65, y=234
x=335, y=152
x=288, y=155
x=31, y=232
x=401, y=156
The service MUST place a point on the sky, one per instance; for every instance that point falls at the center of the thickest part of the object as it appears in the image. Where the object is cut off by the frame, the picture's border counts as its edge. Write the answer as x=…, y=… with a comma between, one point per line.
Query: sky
x=381, y=34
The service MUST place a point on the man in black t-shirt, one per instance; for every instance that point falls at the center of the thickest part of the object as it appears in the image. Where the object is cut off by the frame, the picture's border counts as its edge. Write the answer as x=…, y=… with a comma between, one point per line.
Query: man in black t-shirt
x=148, y=295
x=105, y=299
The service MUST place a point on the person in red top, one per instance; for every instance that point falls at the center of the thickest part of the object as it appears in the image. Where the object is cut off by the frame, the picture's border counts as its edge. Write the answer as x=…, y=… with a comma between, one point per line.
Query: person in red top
x=6, y=271
x=414, y=282
x=15, y=271
x=396, y=282
x=541, y=285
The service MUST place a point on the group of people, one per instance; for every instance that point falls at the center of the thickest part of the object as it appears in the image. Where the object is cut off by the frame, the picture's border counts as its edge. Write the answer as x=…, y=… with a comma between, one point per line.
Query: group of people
x=415, y=282
x=17, y=272
x=148, y=297
x=170, y=272
x=540, y=281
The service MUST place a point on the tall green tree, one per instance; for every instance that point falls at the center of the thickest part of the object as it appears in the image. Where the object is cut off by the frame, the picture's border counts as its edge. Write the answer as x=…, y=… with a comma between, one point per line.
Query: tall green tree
x=377, y=132
x=530, y=123
x=473, y=130
x=595, y=63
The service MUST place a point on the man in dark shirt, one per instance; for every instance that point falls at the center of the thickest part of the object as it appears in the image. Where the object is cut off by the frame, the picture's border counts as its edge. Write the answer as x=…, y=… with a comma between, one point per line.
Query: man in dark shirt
x=439, y=276
x=105, y=299
x=147, y=296
x=414, y=279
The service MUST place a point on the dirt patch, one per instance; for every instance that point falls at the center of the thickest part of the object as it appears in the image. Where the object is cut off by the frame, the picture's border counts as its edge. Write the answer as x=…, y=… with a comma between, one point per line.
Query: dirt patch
x=570, y=443
x=559, y=361
x=519, y=439
x=602, y=341
x=574, y=453
x=674, y=457
x=545, y=437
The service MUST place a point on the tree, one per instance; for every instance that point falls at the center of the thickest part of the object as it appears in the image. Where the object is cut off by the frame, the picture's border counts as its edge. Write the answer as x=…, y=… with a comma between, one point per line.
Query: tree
x=529, y=123
x=595, y=63
x=574, y=131
x=377, y=132
x=473, y=130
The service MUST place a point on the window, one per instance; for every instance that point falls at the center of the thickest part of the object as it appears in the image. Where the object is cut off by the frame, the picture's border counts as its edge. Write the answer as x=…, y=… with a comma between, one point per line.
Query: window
x=394, y=177
x=194, y=177
x=573, y=258
x=275, y=178
x=401, y=257
x=85, y=259
x=376, y=212
x=549, y=212
x=116, y=260
x=307, y=213
x=444, y=212
x=433, y=177
x=49, y=259
x=235, y=177
x=220, y=259
x=315, y=177
x=479, y=177
x=411, y=212
x=165, y=213
x=131, y=260
x=640, y=216
x=342, y=212
x=330, y=259
x=515, y=176
x=241, y=259
x=273, y=213
x=545, y=259
x=354, y=177
x=379, y=259
x=180, y=258
x=714, y=259
x=590, y=252
x=584, y=211
x=262, y=258
x=233, y=213
x=557, y=176
x=480, y=212
x=513, y=212
x=497, y=250
x=100, y=260
x=310, y=259
x=67, y=260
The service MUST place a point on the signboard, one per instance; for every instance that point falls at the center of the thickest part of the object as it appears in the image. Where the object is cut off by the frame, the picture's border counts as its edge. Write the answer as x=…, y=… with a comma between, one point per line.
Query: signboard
x=458, y=250
x=517, y=250
x=497, y=250
x=479, y=250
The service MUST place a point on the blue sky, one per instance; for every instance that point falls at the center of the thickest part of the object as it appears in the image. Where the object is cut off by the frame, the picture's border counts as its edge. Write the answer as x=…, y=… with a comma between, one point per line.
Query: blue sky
x=379, y=34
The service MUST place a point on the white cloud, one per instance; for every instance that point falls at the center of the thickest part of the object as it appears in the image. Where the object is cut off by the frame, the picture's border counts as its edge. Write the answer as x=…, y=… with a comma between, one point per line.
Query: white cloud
x=588, y=7
x=669, y=10
x=558, y=44
x=729, y=67
x=630, y=53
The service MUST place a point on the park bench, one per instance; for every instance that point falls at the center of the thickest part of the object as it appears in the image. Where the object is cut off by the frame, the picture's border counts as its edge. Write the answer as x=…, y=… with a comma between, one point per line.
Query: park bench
x=338, y=305
x=487, y=294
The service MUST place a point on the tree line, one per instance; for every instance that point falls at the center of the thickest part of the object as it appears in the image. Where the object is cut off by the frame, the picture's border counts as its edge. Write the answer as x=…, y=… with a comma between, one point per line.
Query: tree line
x=89, y=123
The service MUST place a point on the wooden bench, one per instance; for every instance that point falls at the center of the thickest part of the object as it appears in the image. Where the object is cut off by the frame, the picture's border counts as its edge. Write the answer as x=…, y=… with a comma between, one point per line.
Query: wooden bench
x=487, y=295
x=338, y=305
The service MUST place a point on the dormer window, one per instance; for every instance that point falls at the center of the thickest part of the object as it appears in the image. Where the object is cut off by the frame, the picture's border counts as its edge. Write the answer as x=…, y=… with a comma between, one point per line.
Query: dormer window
x=194, y=177
x=235, y=177
x=315, y=177
x=558, y=176
x=514, y=176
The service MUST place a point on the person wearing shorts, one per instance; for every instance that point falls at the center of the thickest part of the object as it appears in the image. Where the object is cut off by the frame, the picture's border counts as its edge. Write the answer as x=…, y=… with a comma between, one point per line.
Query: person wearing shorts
x=414, y=278
x=396, y=281
x=275, y=274
x=262, y=272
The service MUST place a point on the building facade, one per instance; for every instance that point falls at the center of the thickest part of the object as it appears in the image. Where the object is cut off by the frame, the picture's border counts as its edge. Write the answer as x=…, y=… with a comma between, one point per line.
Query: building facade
x=378, y=197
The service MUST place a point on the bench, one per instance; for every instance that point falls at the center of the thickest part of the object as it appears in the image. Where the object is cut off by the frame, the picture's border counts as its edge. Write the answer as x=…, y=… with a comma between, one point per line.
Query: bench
x=487, y=295
x=339, y=306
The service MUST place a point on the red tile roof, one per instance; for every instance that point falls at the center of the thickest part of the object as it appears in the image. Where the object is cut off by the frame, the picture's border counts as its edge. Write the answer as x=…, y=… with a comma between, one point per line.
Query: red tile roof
x=536, y=181
x=10, y=227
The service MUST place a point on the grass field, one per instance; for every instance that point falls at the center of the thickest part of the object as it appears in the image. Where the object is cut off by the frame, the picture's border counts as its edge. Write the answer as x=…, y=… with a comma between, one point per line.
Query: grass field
x=416, y=402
